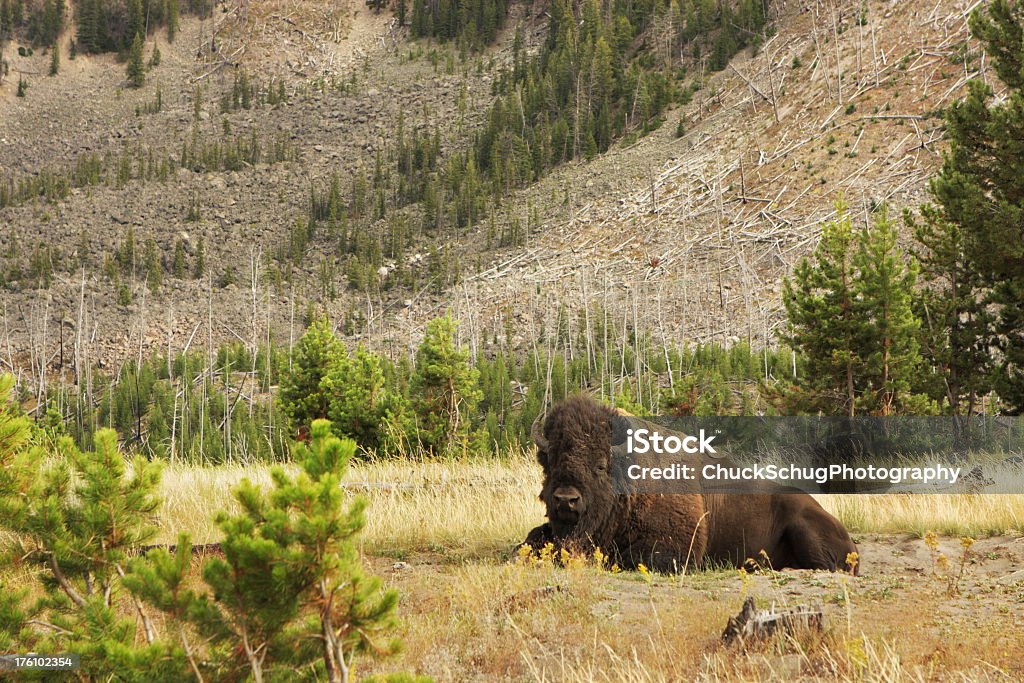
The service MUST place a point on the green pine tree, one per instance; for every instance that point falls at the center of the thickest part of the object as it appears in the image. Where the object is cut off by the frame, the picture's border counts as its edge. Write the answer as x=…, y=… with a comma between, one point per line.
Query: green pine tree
x=826, y=321
x=136, y=21
x=352, y=608
x=87, y=18
x=885, y=287
x=6, y=20
x=955, y=322
x=154, y=268
x=14, y=441
x=851, y=315
x=444, y=389
x=200, y=265
x=980, y=190
x=290, y=593
x=362, y=404
x=173, y=12
x=77, y=516
x=178, y=267
x=55, y=59
x=302, y=394
x=136, y=64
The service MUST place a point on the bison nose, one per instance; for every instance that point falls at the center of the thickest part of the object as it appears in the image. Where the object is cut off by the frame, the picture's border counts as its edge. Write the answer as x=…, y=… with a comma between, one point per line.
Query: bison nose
x=568, y=496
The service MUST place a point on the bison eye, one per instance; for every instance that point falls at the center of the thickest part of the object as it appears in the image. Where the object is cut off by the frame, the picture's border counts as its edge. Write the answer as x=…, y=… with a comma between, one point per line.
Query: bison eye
x=601, y=467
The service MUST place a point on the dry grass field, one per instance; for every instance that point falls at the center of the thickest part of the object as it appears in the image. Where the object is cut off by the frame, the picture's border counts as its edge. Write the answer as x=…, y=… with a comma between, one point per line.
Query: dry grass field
x=926, y=608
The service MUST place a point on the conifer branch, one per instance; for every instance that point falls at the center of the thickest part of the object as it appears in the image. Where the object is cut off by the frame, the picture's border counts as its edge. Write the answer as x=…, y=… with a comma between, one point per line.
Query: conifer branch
x=62, y=580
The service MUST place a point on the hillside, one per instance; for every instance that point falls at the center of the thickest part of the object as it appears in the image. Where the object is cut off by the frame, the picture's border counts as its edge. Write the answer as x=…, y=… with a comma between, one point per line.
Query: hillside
x=690, y=235
x=694, y=234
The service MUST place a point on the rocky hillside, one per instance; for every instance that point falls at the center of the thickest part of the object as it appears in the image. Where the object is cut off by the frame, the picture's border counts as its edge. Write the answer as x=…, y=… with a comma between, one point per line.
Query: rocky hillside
x=686, y=231
x=693, y=234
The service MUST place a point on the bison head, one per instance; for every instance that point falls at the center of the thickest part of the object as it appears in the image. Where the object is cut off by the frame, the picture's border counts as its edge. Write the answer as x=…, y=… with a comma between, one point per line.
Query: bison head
x=574, y=448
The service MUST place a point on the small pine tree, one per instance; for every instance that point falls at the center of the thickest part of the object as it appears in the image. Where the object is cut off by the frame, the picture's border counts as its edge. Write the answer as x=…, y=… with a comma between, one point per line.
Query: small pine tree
x=227, y=277
x=136, y=65
x=22, y=86
x=173, y=12
x=290, y=593
x=885, y=286
x=179, y=260
x=851, y=315
x=302, y=395
x=362, y=405
x=351, y=605
x=826, y=320
x=444, y=389
x=154, y=268
x=14, y=440
x=200, y=265
x=55, y=59
x=78, y=515
x=154, y=59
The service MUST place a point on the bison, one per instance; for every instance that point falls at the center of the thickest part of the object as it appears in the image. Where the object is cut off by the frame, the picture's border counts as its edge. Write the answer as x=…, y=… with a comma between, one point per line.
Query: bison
x=668, y=532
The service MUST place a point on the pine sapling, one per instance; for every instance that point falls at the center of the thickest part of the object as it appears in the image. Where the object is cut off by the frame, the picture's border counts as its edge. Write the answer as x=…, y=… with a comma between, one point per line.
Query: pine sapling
x=77, y=515
x=136, y=64
x=290, y=594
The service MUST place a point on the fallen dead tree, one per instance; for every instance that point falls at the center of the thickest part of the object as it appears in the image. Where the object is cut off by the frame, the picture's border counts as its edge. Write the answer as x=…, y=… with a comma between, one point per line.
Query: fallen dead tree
x=752, y=624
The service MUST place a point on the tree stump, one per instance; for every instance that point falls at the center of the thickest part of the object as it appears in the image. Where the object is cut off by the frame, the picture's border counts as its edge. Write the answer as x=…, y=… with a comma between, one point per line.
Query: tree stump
x=752, y=624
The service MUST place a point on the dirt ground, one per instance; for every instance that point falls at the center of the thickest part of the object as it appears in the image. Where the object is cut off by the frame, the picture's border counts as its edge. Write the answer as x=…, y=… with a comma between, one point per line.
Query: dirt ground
x=915, y=613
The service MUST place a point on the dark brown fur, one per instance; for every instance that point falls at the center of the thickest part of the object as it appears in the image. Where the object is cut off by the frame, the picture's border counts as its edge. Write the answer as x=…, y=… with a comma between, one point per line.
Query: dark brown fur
x=669, y=532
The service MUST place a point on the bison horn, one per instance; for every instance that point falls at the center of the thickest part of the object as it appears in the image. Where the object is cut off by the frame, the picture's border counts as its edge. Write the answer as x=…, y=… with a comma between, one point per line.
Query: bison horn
x=538, y=434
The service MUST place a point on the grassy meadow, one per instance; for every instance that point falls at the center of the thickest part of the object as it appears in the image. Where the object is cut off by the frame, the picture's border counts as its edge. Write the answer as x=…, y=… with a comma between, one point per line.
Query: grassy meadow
x=473, y=509
x=444, y=533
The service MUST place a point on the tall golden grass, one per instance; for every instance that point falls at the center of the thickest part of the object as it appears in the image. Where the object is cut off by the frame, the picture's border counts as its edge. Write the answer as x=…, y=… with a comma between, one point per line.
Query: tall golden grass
x=462, y=507
x=469, y=508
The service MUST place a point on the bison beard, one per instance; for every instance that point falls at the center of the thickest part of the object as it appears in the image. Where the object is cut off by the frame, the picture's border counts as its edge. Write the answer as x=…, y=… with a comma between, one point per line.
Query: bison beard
x=667, y=533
